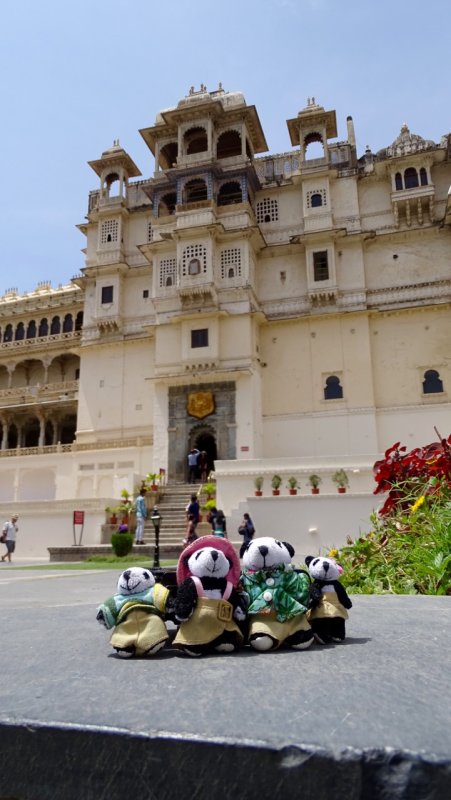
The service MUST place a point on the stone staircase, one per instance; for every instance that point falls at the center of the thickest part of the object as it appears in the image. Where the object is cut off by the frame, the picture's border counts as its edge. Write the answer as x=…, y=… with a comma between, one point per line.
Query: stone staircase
x=171, y=506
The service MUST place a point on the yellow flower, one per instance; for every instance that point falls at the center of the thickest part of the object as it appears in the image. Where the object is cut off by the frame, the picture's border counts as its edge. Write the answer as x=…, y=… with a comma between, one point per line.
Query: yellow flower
x=333, y=553
x=419, y=502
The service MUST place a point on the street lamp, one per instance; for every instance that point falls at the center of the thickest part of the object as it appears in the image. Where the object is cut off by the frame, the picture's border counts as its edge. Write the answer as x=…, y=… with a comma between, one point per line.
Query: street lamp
x=156, y=520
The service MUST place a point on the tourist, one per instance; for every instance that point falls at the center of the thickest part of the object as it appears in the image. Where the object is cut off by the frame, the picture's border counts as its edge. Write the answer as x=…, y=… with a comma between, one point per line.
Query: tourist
x=193, y=509
x=8, y=537
x=191, y=534
x=193, y=455
x=141, y=515
x=220, y=526
x=202, y=464
x=211, y=517
x=247, y=530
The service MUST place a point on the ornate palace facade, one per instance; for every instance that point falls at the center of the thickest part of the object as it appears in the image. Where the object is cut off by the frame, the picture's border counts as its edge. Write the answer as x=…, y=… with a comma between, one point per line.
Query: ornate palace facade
x=260, y=307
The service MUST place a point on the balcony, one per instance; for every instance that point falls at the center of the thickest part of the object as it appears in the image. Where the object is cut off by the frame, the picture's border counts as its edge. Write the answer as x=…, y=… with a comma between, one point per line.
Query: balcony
x=26, y=395
x=40, y=341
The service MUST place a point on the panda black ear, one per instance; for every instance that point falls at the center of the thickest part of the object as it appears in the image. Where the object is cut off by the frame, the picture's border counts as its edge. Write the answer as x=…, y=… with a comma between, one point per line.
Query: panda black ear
x=246, y=547
x=290, y=548
x=308, y=559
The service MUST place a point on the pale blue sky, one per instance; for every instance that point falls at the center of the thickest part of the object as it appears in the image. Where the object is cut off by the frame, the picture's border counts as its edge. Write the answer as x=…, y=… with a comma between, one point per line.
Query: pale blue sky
x=76, y=75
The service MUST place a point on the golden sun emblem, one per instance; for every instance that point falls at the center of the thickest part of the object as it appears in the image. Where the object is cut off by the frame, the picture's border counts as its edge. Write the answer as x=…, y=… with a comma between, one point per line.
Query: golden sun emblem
x=200, y=404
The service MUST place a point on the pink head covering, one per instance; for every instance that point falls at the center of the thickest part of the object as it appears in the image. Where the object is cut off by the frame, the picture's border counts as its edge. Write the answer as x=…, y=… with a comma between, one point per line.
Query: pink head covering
x=209, y=541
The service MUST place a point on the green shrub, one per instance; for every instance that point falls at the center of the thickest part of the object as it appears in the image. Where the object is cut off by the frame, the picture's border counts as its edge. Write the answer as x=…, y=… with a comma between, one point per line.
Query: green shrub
x=122, y=543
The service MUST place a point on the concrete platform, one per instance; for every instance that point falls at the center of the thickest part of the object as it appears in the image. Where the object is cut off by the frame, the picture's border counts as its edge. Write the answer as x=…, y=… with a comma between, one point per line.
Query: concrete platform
x=366, y=719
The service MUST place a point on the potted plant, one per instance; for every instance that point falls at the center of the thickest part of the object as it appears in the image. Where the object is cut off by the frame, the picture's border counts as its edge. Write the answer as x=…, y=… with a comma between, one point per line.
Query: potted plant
x=210, y=490
x=314, y=481
x=341, y=479
x=152, y=479
x=276, y=480
x=292, y=484
x=122, y=543
x=258, y=483
x=112, y=515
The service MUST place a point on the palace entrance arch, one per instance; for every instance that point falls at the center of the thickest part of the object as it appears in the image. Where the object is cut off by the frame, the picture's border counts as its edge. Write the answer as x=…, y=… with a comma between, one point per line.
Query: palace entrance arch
x=215, y=432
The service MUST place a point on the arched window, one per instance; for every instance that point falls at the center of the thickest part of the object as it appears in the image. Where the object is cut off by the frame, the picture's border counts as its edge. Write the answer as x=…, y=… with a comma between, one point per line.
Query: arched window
x=31, y=329
x=79, y=321
x=194, y=267
x=68, y=324
x=432, y=383
x=168, y=155
x=316, y=200
x=194, y=260
x=20, y=332
x=313, y=143
x=8, y=335
x=196, y=141
x=398, y=181
x=55, y=327
x=230, y=193
x=167, y=204
x=43, y=327
x=168, y=280
x=333, y=389
x=423, y=177
x=229, y=144
x=410, y=178
x=195, y=191
x=267, y=210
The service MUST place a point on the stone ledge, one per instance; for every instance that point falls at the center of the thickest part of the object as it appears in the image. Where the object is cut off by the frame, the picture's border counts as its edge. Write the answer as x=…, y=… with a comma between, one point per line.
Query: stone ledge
x=83, y=552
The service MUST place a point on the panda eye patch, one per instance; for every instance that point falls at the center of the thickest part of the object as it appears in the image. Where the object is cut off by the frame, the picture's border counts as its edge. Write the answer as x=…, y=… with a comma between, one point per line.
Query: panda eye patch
x=315, y=561
x=279, y=543
x=198, y=554
x=146, y=575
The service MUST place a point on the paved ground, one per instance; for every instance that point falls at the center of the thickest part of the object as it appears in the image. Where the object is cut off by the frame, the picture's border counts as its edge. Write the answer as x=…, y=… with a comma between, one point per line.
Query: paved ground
x=386, y=690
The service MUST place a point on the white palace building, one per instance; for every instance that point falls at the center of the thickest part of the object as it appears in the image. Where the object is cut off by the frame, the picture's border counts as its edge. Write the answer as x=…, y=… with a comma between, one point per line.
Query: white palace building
x=286, y=313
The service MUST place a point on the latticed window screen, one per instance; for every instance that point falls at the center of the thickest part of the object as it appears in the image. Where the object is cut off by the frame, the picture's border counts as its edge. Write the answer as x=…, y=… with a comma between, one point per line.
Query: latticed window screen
x=267, y=210
x=109, y=231
x=316, y=198
x=231, y=263
x=168, y=267
x=149, y=232
x=194, y=252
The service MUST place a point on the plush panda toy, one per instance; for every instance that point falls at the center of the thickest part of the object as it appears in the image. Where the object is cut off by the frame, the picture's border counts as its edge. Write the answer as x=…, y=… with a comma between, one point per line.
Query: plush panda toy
x=328, y=600
x=136, y=614
x=278, y=596
x=208, y=605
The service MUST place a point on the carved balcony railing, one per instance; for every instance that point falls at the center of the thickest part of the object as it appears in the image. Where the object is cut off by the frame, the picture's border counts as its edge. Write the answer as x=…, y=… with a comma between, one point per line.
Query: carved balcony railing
x=41, y=341
x=60, y=390
x=111, y=444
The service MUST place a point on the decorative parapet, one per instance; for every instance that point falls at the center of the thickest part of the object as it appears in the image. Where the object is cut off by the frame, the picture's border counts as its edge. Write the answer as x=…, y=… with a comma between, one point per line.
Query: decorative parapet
x=416, y=293
x=35, y=394
x=111, y=444
x=53, y=340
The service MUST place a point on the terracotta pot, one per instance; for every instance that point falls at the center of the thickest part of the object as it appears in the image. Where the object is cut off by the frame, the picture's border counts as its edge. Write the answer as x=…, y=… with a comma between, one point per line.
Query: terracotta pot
x=258, y=493
x=276, y=491
x=292, y=491
x=341, y=489
x=113, y=519
x=315, y=489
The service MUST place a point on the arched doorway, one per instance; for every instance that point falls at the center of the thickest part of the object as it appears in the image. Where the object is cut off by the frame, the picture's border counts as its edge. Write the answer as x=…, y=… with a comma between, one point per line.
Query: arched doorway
x=206, y=442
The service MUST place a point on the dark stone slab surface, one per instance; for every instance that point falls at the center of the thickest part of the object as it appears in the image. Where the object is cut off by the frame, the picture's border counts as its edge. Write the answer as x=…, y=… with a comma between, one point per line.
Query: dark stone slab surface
x=369, y=718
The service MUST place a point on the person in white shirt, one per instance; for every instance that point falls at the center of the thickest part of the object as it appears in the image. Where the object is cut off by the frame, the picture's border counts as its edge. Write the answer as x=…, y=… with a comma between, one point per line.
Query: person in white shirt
x=9, y=533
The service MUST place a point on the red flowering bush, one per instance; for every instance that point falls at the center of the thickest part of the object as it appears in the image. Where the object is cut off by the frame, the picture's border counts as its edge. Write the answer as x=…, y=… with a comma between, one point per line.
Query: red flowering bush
x=422, y=471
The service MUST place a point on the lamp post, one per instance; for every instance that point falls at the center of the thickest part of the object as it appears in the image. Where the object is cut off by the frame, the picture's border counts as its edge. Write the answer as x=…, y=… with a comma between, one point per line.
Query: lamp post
x=156, y=520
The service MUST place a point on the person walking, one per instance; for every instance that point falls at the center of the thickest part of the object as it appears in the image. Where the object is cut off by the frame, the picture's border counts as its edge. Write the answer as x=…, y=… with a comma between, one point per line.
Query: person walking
x=9, y=533
x=141, y=516
x=193, y=455
x=247, y=530
x=191, y=534
x=220, y=525
x=193, y=510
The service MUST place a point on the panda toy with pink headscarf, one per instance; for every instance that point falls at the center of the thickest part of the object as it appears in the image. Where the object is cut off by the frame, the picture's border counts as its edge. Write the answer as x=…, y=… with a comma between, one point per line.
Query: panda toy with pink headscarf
x=208, y=605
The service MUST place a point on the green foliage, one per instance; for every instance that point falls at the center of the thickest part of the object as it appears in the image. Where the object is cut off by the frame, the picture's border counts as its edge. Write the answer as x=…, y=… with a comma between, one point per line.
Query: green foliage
x=292, y=482
x=210, y=488
x=408, y=552
x=314, y=480
x=122, y=543
x=276, y=480
x=208, y=505
x=340, y=478
x=258, y=482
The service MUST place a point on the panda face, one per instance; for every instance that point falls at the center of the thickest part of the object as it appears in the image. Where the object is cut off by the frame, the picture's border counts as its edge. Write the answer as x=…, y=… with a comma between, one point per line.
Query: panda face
x=134, y=580
x=267, y=553
x=324, y=569
x=209, y=562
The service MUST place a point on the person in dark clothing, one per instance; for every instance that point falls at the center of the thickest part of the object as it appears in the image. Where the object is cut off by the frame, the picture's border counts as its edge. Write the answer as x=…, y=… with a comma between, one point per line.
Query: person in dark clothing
x=193, y=508
x=247, y=531
x=220, y=526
